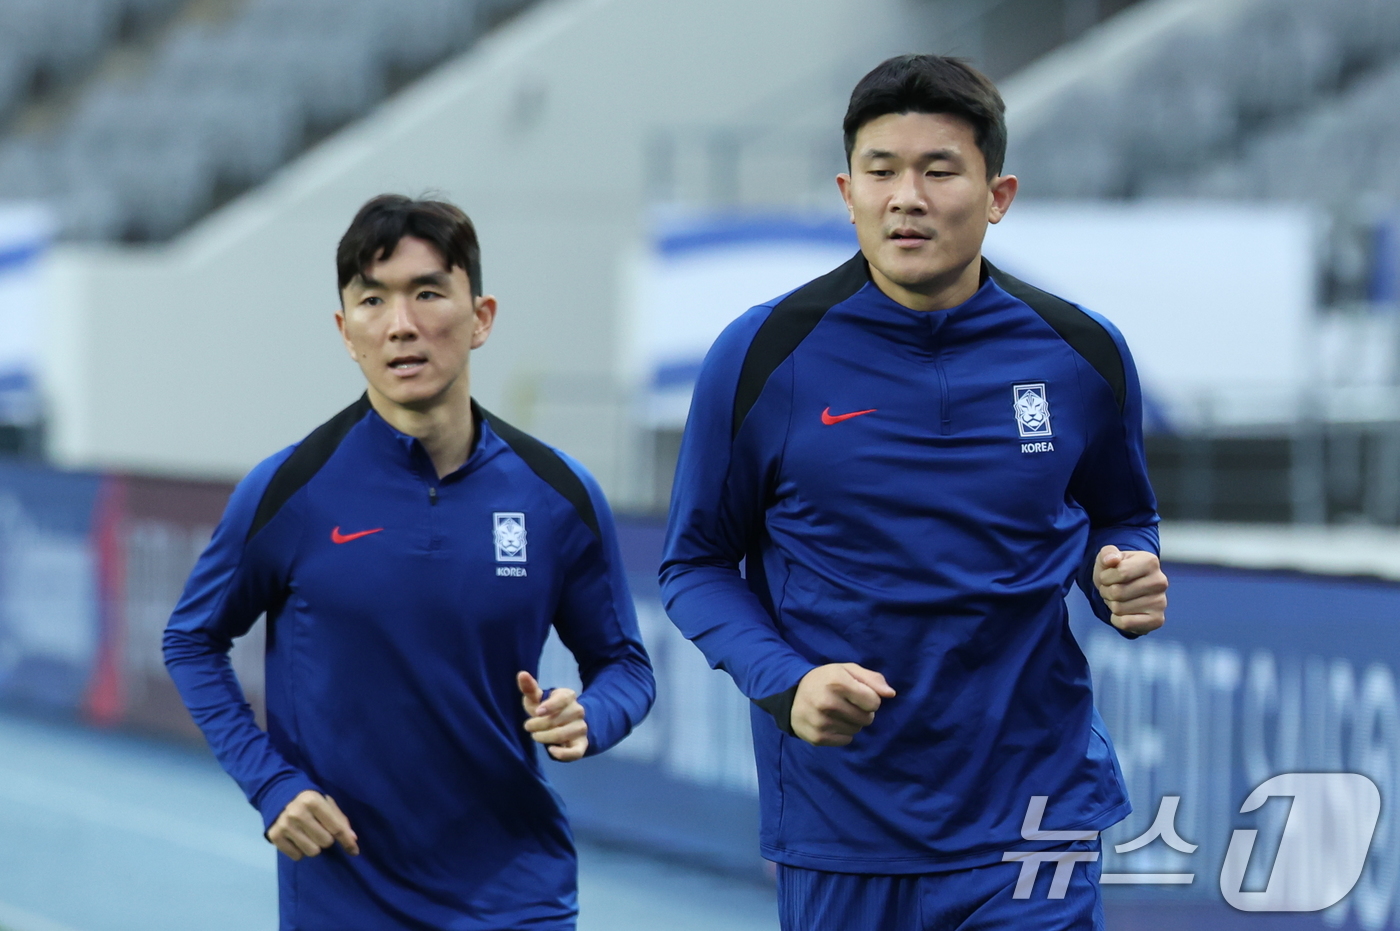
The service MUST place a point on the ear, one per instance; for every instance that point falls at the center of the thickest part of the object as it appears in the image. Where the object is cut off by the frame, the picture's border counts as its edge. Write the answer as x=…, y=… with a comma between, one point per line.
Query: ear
x=1003, y=191
x=344, y=335
x=843, y=184
x=484, y=313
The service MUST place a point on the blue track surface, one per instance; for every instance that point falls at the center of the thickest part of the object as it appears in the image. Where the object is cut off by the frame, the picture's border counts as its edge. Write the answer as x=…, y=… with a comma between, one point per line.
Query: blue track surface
x=101, y=832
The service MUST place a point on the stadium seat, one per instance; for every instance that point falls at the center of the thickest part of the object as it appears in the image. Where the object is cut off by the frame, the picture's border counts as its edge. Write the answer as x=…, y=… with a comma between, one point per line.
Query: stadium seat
x=1290, y=99
x=219, y=106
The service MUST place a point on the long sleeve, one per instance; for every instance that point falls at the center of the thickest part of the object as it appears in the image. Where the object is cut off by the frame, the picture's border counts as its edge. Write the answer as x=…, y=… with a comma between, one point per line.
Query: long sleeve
x=597, y=621
x=232, y=584
x=717, y=508
x=1111, y=481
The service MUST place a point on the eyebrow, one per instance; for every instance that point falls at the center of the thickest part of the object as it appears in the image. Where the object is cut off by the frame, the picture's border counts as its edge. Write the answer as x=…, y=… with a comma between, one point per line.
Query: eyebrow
x=437, y=279
x=937, y=155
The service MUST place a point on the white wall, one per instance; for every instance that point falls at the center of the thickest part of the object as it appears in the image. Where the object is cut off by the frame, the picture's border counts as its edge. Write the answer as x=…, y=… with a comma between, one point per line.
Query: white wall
x=206, y=355
x=1215, y=299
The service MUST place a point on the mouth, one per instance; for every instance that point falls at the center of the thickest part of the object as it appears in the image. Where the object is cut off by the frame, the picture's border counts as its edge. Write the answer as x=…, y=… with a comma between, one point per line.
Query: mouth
x=407, y=365
x=909, y=237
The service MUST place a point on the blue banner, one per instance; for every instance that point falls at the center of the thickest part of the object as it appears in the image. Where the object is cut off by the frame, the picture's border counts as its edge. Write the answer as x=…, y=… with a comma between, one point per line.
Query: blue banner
x=1258, y=732
x=49, y=623
x=1257, y=676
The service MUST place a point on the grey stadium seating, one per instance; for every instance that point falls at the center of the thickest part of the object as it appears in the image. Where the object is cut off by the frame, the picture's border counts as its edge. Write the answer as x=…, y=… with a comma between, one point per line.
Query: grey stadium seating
x=217, y=106
x=1242, y=105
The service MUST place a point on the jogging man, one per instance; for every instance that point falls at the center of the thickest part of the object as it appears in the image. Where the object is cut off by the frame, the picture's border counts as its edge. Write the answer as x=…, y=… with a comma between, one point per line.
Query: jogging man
x=411, y=555
x=914, y=456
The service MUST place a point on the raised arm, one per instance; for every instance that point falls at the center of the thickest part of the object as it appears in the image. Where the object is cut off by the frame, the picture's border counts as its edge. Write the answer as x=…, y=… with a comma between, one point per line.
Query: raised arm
x=1120, y=573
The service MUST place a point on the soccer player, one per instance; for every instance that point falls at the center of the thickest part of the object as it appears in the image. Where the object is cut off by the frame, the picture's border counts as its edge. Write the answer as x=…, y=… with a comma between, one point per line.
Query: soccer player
x=411, y=555
x=913, y=457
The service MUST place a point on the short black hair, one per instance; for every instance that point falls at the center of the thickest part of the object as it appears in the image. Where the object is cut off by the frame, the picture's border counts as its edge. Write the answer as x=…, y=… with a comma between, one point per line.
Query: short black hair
x=931, y=84
x=375, y=232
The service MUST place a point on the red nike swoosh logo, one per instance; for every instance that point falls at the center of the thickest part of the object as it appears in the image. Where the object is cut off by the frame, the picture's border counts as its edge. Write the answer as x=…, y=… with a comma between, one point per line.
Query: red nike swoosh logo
x=338, y=537
x=829, y=418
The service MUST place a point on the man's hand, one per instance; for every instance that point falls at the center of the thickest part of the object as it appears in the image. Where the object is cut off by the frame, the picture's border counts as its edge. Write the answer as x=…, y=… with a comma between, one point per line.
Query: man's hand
x=310, y=823
x=1133, y=586
x=557, y=723
x=834, y=702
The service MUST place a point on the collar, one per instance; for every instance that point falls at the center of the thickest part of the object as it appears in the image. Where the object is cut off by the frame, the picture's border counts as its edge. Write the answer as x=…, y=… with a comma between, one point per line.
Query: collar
x=904, y=324
x=415, y=456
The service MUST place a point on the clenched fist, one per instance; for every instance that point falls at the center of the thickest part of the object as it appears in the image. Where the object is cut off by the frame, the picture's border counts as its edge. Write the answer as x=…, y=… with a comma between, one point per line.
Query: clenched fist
x=835, y=701
x=311, y=823
x=1132, y=584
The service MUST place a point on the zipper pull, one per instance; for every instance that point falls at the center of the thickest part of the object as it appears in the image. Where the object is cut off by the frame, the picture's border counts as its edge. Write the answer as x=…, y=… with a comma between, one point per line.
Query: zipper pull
x=432, y=494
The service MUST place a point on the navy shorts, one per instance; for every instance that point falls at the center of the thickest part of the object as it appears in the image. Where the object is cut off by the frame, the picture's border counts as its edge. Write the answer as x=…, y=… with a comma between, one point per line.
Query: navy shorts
x=980, y=899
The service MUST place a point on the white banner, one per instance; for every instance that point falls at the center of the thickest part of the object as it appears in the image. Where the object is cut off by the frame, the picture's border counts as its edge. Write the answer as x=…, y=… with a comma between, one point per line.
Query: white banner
x=25, y=234
x=699, y=273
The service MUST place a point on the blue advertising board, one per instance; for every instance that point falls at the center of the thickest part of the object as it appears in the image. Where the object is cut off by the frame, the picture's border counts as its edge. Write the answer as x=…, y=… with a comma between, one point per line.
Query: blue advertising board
x=1258, y=732
x=49, y=605
x=1257, y=675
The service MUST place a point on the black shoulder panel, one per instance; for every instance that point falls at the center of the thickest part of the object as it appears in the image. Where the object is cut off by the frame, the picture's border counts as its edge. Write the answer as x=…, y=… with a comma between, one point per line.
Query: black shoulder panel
x=1084, y=334
x=546, y=463
x=305, y=461
x=788, y=325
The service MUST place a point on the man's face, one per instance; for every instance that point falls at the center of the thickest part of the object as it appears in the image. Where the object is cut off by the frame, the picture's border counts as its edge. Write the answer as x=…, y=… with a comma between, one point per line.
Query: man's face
x=410, y=324
x=920, y=199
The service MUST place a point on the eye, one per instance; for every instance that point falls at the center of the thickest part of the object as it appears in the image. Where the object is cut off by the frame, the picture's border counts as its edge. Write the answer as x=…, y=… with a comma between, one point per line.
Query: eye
x=880, y=172
x=937, y=173
x=428, y=295
x=372, y=301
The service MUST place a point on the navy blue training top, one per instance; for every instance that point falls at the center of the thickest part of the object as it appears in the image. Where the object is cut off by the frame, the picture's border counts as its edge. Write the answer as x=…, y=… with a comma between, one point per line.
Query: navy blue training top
x=400, y=608
x=913, y=492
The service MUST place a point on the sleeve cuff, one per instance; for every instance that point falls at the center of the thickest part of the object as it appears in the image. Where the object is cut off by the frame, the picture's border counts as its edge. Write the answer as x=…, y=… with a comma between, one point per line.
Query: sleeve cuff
x=780, y=707
x=779, y=704
x=279, y=795
x=604, y=723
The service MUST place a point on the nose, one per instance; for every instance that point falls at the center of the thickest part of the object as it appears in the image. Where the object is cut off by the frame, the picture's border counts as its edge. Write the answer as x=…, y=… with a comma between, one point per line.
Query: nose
x=402, y=325
x=909, y=197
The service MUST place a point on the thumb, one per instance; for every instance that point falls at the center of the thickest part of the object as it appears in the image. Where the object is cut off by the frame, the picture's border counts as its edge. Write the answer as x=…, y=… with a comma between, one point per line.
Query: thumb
x=341, y=830
x=1110, y=556
x=529, y=687
x=873, y=679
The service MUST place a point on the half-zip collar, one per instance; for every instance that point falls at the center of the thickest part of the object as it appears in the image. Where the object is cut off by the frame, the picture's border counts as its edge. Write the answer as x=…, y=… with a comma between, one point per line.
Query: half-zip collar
x=930, y=334
x=409, y=452
x=923, y=331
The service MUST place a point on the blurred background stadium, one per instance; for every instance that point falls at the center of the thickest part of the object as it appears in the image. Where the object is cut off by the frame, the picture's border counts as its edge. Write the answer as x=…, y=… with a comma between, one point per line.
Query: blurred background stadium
x=1219, y=177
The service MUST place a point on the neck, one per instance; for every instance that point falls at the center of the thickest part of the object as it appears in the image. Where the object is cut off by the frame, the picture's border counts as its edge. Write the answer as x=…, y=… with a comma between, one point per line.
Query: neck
x=941, y=293
x=444, y=426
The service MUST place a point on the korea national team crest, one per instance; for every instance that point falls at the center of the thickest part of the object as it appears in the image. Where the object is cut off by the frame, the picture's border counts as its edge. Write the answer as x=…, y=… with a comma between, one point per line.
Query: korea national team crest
x=1032, y=410
x=510, y=536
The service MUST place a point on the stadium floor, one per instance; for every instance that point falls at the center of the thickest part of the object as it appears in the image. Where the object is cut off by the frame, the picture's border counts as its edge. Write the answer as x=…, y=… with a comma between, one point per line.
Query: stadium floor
x=104, y=832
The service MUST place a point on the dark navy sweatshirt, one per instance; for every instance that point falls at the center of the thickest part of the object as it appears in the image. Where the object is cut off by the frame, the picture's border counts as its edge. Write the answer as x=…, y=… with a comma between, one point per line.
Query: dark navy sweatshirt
x=400, y=607
x=914, y=492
